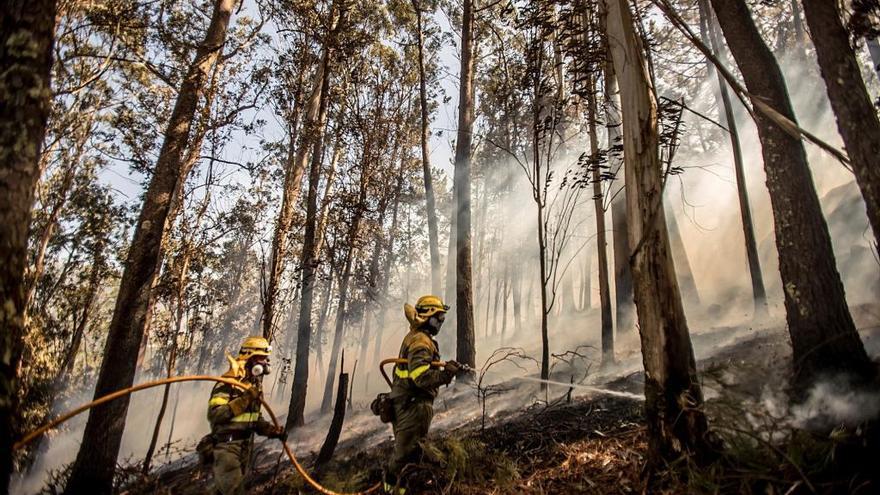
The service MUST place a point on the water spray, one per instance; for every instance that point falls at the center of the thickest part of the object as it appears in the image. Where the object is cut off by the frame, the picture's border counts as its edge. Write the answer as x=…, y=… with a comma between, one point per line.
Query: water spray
x=604, y=391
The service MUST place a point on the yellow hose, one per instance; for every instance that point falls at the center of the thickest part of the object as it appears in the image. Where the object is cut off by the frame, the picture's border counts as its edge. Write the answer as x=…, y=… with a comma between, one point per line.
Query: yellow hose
x=194, y=378
x=384, y=362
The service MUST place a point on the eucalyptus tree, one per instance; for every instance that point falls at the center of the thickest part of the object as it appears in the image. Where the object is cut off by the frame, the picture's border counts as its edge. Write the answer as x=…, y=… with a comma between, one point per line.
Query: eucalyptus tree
x=464, y=297
x=677, y=425
x=823, y=335
x=378, y=114
x=856, y=115
x=95, y=465
x=327, y=28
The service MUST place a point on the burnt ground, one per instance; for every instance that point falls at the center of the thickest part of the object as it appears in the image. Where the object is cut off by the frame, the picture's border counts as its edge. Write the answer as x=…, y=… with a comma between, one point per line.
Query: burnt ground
x=597, y=443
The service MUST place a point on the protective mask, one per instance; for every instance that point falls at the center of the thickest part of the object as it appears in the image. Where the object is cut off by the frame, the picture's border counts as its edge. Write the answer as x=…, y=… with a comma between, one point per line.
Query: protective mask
x=260, y=370
x=434, y=323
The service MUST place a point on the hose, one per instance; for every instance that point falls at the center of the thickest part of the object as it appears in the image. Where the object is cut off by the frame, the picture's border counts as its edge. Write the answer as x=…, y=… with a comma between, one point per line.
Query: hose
x=384, y=362
x=194, y=378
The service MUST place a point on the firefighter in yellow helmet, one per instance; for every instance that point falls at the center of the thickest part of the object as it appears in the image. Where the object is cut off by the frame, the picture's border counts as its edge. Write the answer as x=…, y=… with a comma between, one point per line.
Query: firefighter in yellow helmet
x=235, y=416
x=415, y=384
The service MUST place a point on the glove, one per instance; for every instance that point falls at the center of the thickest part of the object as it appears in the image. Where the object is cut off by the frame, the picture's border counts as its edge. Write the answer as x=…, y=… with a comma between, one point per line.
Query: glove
x=280, y=433
x=452, y=367
x=241, y=403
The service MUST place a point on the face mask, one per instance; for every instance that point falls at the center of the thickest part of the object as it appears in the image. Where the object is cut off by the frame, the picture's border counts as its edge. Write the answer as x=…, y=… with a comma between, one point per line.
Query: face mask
x=260, y=369
x=434, y=324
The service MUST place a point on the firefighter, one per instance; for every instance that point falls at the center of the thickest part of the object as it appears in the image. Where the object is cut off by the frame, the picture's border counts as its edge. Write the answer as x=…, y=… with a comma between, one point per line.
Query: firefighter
x=235, y=416
x=415, y=384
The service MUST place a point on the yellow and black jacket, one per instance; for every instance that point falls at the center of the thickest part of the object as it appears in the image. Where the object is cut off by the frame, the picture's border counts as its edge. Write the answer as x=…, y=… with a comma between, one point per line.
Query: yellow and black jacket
x=418, y=379
x=233, y=414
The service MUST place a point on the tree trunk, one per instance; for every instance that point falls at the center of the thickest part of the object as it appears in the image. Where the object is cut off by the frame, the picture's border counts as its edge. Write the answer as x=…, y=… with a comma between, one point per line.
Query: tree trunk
x=725, y=111
x=601, y=242
x=26, y=33
x=344, y=281
x=430, y=205
x=340, y=321
x=296, y=411
x=332, y=438
x=676, y=423
x=856, y=116
x=516, y=294
x=874, y=51
x=96, y=461
x=623, y=285
x=682, y=264
x=386, y=269
x=823, y=336
x=464, y=302
x=313, y=132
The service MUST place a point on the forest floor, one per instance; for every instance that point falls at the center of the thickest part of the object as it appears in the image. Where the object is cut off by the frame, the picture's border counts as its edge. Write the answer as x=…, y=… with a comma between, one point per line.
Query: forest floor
x=596, y=442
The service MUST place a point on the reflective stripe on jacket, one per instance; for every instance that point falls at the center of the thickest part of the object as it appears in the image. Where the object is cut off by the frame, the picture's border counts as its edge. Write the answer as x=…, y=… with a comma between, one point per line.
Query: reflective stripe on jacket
x=221, y=415
x=417, y=378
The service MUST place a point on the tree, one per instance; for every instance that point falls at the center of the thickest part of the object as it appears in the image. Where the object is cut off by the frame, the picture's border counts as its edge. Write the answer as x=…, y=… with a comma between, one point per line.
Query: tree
x=624, y=308
x=464, y=298
x=856, y=116
x=295, y=415
x=607, y=333
x=94, y=467
x=708, y=31
x=823, y=335
x=26, y=32
x=676, y=424
x=430, y=203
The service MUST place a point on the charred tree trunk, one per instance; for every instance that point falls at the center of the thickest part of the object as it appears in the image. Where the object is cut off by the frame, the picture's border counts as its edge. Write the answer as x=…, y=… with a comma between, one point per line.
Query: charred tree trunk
x=26, y=33
x=95, y=463
x=601, y=242
x=464, y=300
x=296, y=411
x=430, y=204
x=856, y=116
x=332, y=438
x=676, y=423
x=823, y=336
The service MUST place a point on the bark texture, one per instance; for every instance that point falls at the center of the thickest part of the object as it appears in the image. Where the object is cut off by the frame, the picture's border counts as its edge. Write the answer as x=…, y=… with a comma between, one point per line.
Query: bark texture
x=464, y=300
x=823, y=336
x=26, y=32
x=856, y=116
x=676, y=424
x=96, y=461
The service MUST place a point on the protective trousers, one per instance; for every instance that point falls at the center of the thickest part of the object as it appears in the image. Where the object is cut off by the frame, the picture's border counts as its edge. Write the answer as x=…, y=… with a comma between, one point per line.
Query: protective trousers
x=231, y=462
x=412, y=420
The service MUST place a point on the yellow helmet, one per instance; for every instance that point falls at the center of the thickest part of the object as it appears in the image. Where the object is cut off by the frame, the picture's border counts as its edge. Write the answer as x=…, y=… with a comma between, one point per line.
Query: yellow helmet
x=254, y=346
x=428, y=306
